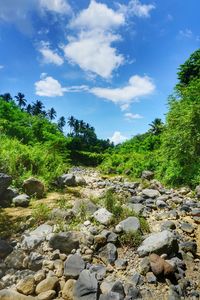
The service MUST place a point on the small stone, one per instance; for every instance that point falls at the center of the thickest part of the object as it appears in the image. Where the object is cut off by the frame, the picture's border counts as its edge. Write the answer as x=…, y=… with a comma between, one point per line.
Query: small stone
x=39, y=276
x=121, y=264
x=108, y=253
x=118, y=288
x=130, y=224
x=8, y=294
x=147, y=175
x=103, y=216
x=186, y=227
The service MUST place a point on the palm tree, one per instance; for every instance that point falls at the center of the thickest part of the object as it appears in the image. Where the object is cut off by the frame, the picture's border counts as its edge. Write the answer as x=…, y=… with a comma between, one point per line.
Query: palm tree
x=37, y=108
x=6, y=97
x=70, y=122
x=29, y=109
x=156, y=126
x=21, y=100
x=61, y=123
x=51, y=114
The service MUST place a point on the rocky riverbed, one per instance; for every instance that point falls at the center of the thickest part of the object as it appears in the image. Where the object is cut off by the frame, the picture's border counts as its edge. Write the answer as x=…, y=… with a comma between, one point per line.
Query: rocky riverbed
x=85, y=251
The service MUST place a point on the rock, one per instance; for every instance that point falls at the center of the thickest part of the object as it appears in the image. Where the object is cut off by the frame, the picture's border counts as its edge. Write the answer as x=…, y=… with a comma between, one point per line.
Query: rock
x=73, y=266
x=103, y=216
x=161, y=242
x=7, y=196
x=5, y=248
x=8, y=294
x=46, y=285
x=147, y=175
x=65, y=241
x=48, y=295
x=15, y=260
x=26, y=286
x=99, y=270
x=136, y=207
x=66, y=180
x=68, y=290
x=130, y=224
x=80, y=181
x=166, y=225
x=34, y=187
x=119, y=289
x=88, y=205
x=110, y=296
x=136, y=199
x=121, y=264
x=159, y=266
x=151, y=278
x=86, y=287
x=197, y=191
x=186, y=227
x=31, y=242
x=39, y=276
x=5, y=181
x=144, y=266
x=150, y=193
x=189, y=247
x=21, y=200
x=108, y=253
x=35, y=261
x=161, y=204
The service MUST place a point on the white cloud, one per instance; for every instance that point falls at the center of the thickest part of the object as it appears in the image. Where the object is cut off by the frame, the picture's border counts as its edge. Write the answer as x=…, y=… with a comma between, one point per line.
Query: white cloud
x=50, y=56
x=117, y=138
x=186, y=33
x=1, y=67
x=98, y=16
x=131, y=116
x=57, y=6
x=136, y=8
x=92, y=51
x=137, y=86
x=49, y=87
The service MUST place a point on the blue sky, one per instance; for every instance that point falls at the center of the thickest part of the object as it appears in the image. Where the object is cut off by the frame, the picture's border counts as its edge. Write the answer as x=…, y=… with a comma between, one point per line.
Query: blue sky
x=111, y=63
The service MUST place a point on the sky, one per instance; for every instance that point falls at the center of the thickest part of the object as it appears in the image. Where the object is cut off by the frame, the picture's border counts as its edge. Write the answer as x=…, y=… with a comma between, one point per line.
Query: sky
x=111, y=63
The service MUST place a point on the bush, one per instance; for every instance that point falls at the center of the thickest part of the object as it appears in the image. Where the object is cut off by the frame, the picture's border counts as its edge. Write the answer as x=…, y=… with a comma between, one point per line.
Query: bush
x=130, y=239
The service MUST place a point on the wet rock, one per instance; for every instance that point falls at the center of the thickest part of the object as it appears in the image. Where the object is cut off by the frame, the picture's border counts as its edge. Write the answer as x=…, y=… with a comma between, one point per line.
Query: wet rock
x=161, y=242
x=73, y=266
x=86, y=287
x=5, y=248
x=65, y=241
x=108, y=253
x=21, y=200
x=103, y=216
x=46, y=285
x=130, y=224
x=26, y=286
x=34, y=187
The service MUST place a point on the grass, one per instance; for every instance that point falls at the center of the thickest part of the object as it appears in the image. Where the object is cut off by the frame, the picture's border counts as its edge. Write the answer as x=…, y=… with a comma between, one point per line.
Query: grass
x=8, y=227
x=130, y=239
x=41, y=213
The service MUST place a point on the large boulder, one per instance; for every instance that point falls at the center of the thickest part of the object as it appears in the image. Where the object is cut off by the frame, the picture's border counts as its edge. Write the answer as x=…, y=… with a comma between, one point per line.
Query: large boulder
x=159, y=243
x=34, y=187
x=5, y=249
x=103, y=216
x=73, y=266
x=66, y=180
x=65, y=241
x=86, y=287
x=8, y=294
x=21, y=200
x=130, y=224
x=36, y=237
x=5, y=181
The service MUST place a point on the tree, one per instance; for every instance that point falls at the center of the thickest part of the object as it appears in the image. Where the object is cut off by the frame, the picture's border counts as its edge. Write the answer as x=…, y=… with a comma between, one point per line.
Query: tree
x=29, y=109
x=51, y=114
x=21, y=100
x=61, y=123
x=190, y=69
x=6, y=97
x=156, y=126
x=37, y=108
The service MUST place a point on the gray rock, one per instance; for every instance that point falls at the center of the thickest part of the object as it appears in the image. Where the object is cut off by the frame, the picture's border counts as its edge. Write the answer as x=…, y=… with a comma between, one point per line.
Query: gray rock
x=136, y=207
x=36, y=237
x=99, y=270
x=80, y=181
x=144, y=266
x=21, y=200
x=130, y=224
x=66, y=180
x=186, y=227
x=121, y=264
x=86, y=287
x=65, y=241
x=108, y=253
x=151, y=278
x=88, y=205
x=34, y=187
x=150, y=193
x=161, y=204
x=189, y=247
x=35, y=261
x=137, y=279
x=103, y=216
x=15, y=260
x=7, y=196
x=5, y=181
x=5, y=249
x=73, y=266
x=159, y=243
x=133, y=293
x=119, y=289
x=197, y=190
x=110, y=296
x=136, y=199
x=167, y=225
x=147, y=175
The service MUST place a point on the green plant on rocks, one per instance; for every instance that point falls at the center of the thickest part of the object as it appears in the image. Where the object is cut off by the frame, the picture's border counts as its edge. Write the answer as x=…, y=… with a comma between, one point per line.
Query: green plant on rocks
x=130, y=239
x=41, y=213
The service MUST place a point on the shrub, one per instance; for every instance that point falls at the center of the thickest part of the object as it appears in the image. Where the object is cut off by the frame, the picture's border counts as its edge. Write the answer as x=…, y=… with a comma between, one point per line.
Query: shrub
x=130, y=239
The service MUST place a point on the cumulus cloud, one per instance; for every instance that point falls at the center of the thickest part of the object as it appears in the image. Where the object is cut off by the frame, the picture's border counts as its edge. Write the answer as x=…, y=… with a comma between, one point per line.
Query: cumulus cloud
x=117, y=138
x=137, y=86
x=136, y=8
x=57, y=6
x=50, y=56
x=131, y=116
x=49, y=87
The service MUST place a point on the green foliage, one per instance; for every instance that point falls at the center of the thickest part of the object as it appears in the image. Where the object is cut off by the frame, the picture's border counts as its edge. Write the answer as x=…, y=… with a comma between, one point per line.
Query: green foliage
x=130, y=239
x=86, y=158
x=7, y=226
x=22, y=161
x=41, y=213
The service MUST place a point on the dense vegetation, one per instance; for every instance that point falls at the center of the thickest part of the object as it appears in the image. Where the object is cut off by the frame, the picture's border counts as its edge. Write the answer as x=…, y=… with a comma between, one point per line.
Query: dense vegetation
x=171, y=150
x=32, y=144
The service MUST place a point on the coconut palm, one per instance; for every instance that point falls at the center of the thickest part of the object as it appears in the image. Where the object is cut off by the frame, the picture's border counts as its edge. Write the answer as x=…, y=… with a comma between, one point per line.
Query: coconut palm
x=21, y=100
